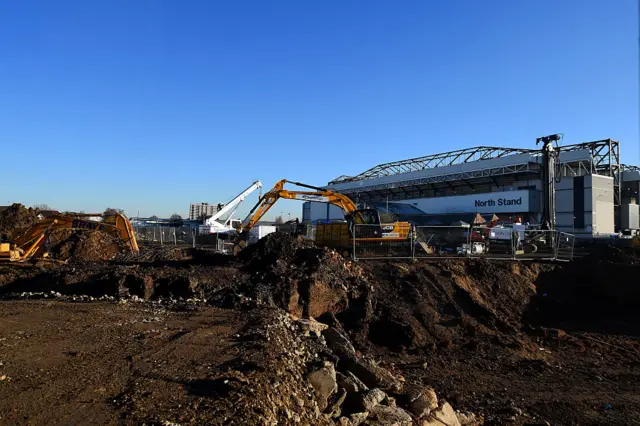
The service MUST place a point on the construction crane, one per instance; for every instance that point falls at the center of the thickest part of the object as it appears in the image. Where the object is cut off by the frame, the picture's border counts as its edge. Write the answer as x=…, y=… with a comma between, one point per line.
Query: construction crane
x=334, y=235
x=214, y=226
x=30, y=244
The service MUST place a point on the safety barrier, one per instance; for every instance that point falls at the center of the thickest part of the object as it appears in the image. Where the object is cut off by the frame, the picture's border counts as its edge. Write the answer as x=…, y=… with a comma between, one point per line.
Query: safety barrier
x=440, y=241
x=564, y=249
x=182, y=236
x=437, y=242
x=536, y=245
x=373, y=242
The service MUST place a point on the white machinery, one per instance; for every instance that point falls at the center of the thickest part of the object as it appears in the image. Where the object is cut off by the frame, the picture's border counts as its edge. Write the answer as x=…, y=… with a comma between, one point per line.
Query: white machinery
x=213, y=226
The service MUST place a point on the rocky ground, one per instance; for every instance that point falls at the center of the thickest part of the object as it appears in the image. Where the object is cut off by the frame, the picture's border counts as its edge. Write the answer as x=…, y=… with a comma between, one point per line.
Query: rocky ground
x=293, y=334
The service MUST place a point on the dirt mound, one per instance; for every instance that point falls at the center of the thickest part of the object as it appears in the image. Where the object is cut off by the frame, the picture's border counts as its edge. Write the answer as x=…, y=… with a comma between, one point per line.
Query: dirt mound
x=289, y=273
x=16, y=217
x=411, y=306
x=89, y=246
x=598, y=292
x=276, y=247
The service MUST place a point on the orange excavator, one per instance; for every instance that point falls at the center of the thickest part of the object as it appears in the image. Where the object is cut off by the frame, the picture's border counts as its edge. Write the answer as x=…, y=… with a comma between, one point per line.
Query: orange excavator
x=335, y=235
x=30, y=243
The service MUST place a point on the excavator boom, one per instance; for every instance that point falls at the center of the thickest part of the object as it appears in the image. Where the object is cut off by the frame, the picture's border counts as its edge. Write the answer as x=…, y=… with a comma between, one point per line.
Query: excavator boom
x=321, y=195
x=277, y=192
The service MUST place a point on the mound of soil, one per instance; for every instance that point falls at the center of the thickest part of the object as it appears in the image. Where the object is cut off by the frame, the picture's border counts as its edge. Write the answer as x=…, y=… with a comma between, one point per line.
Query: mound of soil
x=276, y=247
x=409, y=306
x=14, y=218
x=89, y=246
x=304, y=280
x=599, y=292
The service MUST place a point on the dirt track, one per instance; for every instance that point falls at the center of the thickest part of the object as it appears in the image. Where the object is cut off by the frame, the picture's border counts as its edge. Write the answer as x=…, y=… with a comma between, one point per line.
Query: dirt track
x=514, y=343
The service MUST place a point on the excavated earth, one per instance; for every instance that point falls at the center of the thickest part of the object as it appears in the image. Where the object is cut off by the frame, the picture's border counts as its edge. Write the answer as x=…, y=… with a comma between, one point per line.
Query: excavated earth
x=14, y=218
x=184, y=336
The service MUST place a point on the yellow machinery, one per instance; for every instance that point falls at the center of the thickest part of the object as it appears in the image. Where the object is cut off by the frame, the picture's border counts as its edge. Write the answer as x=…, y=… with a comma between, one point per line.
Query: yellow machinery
x=335, y=235
x=29, y=244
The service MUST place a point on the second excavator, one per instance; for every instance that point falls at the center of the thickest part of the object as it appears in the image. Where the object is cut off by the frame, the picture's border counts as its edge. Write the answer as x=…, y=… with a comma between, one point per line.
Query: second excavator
x=340, y=235
x=30, y=243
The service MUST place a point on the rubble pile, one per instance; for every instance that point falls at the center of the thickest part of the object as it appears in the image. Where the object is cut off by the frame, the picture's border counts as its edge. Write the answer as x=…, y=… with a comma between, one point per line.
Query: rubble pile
x=14, y=218
x=314, y=375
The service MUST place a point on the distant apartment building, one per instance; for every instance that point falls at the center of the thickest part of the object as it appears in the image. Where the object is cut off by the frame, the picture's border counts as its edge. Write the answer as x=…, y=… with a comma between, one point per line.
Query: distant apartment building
x=199, y=210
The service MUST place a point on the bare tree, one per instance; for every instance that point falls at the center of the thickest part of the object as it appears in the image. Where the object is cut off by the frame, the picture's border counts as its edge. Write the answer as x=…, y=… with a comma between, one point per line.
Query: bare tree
x=279, y=220
x=176, y=220
x=111, y=210
x=42, y=207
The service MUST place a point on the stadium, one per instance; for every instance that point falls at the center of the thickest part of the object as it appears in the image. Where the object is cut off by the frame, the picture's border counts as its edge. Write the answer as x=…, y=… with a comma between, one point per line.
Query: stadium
x=596, y=195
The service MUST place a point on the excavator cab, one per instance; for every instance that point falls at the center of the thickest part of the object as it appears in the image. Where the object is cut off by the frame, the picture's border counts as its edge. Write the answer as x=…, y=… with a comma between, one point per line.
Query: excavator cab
x=368, y=217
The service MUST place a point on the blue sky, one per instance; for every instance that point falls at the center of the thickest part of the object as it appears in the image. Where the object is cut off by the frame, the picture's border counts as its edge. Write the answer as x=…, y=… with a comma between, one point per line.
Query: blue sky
x=150, y=105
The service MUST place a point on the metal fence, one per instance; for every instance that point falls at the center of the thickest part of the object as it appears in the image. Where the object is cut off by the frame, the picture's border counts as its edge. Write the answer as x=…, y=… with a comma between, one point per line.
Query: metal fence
x=440, y=241
x=182, y=236
x=437, y=242
x=371, y=242
x=566, y=242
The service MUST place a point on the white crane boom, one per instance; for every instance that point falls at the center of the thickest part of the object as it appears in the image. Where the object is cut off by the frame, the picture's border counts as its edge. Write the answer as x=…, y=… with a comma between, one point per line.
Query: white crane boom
x=212, y=225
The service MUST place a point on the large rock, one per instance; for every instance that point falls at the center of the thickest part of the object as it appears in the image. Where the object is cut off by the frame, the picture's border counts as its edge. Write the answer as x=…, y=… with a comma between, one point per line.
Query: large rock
x=370, y=399
x=347, y=383
x=469, y=419
x=324, y=382
x=443, y=416
x=389, y=416
x=311, y=326
x=335, y=409
x=375, y=376
x=358, y=418
x=340, y=344
x=420, y=401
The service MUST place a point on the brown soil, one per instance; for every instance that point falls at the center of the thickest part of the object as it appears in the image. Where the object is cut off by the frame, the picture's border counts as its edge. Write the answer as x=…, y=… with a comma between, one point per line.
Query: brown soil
x=14, y=218
x=87, y=246
x=517, y=343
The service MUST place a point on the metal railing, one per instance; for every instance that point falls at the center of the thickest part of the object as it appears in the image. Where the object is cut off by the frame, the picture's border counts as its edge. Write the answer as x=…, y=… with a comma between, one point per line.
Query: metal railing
x=371, y=242
x=438, y=242
x=565, y=244
x=182, y=236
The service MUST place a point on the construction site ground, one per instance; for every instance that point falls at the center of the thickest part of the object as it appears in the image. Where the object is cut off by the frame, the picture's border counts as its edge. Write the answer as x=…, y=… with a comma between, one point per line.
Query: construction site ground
x=183, y=336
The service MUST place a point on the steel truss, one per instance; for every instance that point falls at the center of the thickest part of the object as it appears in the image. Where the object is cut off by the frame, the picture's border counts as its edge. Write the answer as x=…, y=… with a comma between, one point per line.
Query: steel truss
x=450, y=177
x=604, y=160
x=450, y=158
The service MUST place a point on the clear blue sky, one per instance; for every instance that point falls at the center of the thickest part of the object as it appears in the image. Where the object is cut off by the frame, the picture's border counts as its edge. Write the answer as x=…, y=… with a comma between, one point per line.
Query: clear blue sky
x=151, y=105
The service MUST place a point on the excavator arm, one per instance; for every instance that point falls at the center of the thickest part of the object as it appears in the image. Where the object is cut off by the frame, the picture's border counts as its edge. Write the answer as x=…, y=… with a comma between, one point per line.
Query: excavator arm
x=31, y=240
x=277, y=192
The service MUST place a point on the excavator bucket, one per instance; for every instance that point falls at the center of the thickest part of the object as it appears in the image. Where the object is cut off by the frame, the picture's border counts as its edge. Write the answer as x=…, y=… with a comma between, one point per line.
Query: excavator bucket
x=240, y=243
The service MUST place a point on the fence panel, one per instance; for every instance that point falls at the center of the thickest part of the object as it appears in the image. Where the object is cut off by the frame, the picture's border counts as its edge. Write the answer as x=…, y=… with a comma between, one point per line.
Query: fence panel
x=370, y=242
x=310, y=232
x=441, y=241
x=536, y=244
x=565, y=244
x=166, y=235
x=492, y=243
